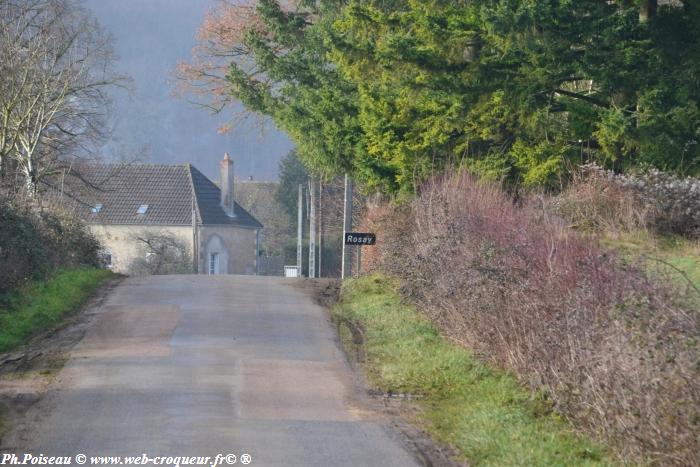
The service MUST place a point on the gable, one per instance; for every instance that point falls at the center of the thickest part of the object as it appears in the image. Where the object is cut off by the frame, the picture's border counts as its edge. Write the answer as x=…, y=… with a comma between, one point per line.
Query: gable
x=208, y=197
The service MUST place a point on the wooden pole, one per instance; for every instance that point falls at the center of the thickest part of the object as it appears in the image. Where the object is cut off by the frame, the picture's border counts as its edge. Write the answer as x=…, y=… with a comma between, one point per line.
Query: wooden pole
x=312, y=228
x=300, y=227
x=320, y=227
x=347, y=227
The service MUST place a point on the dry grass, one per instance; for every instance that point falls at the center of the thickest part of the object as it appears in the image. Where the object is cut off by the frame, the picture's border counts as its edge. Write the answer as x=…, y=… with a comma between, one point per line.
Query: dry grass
x=592, y=203
x=602, y=201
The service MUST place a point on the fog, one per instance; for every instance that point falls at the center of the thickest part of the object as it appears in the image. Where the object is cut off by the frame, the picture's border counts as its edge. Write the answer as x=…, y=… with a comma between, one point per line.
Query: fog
x=151, y=37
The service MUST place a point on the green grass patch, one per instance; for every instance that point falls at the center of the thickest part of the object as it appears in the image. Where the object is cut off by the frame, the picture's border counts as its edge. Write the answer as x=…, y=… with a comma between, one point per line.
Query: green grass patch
x=482, y=411
x=43, y=304
x=674, y=257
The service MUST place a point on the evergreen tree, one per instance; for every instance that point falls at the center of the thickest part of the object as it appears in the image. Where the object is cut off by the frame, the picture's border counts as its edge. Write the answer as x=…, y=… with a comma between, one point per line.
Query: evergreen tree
x=517, y=89
x=292, y=174
x=394, y=91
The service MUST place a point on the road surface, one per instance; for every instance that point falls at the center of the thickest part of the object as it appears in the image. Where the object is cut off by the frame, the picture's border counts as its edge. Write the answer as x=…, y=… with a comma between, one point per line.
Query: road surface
x=207, y=365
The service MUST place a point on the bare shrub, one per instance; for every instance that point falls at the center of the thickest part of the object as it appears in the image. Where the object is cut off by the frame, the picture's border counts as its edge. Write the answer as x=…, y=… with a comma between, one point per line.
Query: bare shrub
x=673, y=201
x=160, y=253
x=593, y=202
x=601, y=200
x=391, y=223
x=70, y=236
x=615, y=350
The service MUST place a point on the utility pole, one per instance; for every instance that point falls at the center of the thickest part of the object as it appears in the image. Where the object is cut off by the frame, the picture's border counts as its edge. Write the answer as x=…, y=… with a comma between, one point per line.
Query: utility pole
x=347, y=227
x=300, y=227
x=195, y=241
x=312, y=228
x=320, y=226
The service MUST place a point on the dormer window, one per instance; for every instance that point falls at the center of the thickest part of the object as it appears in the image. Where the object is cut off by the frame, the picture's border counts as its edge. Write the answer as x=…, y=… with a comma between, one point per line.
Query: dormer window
x=96, y=208
x=142, y=209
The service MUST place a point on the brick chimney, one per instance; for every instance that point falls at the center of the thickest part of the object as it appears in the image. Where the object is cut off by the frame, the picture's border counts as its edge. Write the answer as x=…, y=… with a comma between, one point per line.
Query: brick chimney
x=226, y=186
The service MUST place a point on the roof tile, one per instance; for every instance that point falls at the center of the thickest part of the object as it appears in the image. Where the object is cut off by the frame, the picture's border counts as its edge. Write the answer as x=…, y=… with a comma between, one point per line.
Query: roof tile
x=168, y=190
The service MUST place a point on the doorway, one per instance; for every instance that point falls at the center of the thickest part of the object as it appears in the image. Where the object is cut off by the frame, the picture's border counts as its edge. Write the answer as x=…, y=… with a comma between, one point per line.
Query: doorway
x=214, y=263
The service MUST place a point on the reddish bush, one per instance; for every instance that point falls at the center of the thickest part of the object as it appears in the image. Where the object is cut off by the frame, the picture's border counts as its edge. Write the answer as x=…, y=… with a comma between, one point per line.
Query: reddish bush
x=615, y=350
x=391, y=223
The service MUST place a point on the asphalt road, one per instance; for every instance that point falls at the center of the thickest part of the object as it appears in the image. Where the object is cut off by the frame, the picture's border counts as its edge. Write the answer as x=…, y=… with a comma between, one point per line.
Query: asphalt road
x=207, y=365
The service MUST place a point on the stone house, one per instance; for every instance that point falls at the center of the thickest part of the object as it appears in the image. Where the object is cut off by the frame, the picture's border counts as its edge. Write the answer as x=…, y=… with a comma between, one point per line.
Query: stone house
x=124, y=202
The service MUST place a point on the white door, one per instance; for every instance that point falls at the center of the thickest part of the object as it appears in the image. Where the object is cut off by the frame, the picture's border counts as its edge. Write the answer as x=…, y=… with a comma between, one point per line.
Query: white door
x=216, y=260
x=214, y=263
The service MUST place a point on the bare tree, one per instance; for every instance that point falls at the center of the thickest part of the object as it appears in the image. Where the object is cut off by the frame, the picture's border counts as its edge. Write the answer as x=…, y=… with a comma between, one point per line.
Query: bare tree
x=160, y=253
x=220, y=42
x=55, y=69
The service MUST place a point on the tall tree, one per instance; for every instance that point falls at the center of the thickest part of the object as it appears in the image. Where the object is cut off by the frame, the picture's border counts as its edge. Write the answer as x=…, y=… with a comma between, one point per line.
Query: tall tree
x=516, y=89
x=55, y=67
x=393, y=91
x=292, y=173
x=273, y=58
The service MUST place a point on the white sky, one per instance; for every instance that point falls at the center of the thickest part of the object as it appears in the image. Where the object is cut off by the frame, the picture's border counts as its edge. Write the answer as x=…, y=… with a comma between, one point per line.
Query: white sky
x=151, y=37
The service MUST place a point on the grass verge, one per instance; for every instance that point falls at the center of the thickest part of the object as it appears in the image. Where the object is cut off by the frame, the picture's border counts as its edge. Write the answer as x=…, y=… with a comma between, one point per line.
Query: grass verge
x=674, y=257
x=43, y=304
x=482, y=412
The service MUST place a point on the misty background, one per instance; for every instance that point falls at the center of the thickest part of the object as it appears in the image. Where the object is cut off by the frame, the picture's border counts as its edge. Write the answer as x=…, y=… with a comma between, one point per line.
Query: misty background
x=150, y=38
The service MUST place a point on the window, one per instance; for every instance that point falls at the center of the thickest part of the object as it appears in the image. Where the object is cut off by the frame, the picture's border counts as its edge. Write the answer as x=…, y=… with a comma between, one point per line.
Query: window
x=105, y=257
x=96, y=208
x=214, y=263
x=142, y=209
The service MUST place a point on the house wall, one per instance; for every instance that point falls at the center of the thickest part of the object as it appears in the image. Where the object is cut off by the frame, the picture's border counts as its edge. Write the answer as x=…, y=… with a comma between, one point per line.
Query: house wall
x=120, y=242
x=236, y=247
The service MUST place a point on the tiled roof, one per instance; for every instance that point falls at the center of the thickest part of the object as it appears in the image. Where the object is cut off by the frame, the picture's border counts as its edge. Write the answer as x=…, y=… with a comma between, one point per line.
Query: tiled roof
x=209, y=204
x=168, y=190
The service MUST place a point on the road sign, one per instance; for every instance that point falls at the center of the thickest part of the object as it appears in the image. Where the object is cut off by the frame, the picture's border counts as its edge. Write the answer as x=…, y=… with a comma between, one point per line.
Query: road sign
x=359, y=238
